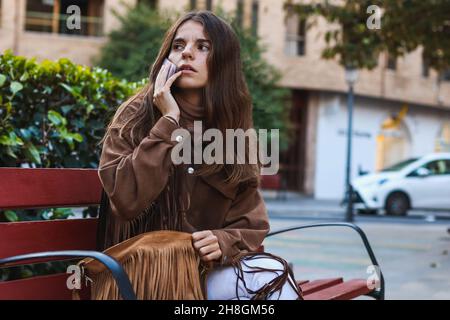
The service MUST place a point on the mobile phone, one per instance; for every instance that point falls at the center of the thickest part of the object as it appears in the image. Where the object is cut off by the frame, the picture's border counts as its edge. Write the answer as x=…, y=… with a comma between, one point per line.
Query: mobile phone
x=172, y=68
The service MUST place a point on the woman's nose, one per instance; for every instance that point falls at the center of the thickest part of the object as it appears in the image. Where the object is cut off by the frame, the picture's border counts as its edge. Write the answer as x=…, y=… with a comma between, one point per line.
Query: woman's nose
x=187, y=52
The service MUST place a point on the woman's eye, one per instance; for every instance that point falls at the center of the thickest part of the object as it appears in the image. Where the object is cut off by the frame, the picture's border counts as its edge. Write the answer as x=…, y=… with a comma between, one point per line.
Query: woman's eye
x=201, y=47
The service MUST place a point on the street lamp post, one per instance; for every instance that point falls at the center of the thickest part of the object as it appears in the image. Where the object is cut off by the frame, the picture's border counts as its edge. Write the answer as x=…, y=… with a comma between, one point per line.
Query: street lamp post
x=351, y=75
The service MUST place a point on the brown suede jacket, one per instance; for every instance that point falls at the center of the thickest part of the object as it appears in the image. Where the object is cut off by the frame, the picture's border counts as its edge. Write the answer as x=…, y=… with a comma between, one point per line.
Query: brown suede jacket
x=133, y=177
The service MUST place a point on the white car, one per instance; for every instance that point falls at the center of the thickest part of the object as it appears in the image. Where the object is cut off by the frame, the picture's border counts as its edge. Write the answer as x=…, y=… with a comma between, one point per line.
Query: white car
x=420, y=183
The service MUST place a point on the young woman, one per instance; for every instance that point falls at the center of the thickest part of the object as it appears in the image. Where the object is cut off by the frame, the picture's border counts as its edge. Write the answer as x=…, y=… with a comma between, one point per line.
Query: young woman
x=218, y=203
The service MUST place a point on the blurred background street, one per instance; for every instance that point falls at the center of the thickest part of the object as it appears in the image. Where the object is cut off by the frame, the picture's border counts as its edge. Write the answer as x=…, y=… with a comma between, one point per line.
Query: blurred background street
x=413, y=252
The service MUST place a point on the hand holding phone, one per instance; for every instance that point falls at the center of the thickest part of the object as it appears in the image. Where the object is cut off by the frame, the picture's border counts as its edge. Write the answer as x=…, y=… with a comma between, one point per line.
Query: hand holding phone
x=172, y=68
x=162, y=96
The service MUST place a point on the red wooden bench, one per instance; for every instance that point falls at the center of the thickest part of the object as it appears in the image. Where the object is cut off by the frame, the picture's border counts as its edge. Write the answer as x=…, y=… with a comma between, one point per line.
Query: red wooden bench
x=41, y=241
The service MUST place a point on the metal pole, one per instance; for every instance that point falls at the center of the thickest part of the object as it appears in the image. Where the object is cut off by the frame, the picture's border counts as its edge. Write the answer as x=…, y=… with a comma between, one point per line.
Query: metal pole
x=349, y=212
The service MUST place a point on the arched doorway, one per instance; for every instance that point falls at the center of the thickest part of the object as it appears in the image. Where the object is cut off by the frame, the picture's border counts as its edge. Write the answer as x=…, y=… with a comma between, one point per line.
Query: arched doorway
x=393, y=143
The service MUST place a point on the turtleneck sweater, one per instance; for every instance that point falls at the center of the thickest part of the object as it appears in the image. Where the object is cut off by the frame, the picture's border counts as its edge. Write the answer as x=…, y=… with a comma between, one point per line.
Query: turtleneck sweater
x=189, y=113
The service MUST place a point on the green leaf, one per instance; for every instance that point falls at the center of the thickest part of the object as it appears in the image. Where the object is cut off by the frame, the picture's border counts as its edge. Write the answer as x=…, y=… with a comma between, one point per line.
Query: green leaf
x=11, y=216
x=24, y=76
x=32, y=153
x=15, y=87
x=46, y=214
x=77, y=137
x=78, y=123
x=2, y=79
x=8, y=107
x=62, y=213
x=75, y=91
x=26, y=134
x=67, y=108
x=90, y=107
x=58, y=213
x=11, y=140
x=10, y=152
x=4, y=140
x=56, y=118
x=48, y=90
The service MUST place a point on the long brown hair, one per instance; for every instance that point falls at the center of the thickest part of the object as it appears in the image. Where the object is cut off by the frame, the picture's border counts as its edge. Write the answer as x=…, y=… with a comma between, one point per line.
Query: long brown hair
x=226, y=98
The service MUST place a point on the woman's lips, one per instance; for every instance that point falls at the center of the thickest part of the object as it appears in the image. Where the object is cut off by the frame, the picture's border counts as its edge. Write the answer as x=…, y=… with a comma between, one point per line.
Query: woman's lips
x=187, y=71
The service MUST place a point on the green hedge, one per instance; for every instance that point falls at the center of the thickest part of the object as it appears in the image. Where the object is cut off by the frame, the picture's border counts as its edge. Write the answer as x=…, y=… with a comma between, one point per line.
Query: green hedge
x=53, y=113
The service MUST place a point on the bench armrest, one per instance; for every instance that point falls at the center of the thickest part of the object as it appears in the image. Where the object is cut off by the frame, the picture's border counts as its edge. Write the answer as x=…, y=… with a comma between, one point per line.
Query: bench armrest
x=121, y=278
x=376, y=294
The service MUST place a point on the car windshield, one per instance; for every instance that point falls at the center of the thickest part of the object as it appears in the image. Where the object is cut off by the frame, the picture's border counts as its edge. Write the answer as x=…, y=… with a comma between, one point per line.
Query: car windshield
x=399, y=166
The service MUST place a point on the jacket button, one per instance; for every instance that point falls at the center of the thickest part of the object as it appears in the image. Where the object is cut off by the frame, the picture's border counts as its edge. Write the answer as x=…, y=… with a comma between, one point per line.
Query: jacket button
x=179, y=138
x=190, y=170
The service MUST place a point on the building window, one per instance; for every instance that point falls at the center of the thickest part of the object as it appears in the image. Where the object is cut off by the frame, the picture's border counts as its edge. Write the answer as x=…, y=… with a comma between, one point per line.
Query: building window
x=391, y=62
x=240, y=13
x=295, y=36
x=53, y=16
x=193, y=5
x=255, y=11
x=151, y=3
x=209, y=5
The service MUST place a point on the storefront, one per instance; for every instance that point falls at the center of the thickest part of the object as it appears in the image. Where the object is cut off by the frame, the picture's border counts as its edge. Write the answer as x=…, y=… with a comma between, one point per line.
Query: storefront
x=385, y=132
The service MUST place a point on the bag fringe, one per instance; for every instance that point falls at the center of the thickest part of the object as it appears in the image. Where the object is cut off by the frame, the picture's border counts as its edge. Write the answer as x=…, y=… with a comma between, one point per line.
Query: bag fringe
x=161, y=265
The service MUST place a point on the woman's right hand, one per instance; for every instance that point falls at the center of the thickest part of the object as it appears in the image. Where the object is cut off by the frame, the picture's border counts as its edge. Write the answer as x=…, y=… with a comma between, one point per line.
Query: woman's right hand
x=162, y=97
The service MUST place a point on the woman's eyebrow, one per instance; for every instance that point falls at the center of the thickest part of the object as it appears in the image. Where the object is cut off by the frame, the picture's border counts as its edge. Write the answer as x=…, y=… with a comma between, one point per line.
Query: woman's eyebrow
x=179, y=39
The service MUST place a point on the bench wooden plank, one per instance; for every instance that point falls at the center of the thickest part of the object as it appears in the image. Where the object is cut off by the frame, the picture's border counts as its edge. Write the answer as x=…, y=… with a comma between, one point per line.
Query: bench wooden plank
x=22, y=188
x=317, y=285
x=51, y=287
x=343, y=291
x=37, y=236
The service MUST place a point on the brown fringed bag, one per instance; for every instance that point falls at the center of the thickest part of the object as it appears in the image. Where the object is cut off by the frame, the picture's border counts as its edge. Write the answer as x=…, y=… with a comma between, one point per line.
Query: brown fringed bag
x=161, y=265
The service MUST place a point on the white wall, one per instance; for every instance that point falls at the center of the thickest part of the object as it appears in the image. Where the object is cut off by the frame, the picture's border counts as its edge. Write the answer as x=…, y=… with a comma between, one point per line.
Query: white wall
x=423, y=124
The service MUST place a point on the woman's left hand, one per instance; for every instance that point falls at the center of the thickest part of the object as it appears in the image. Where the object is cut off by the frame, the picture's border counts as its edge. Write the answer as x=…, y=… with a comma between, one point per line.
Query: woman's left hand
x=207, y=245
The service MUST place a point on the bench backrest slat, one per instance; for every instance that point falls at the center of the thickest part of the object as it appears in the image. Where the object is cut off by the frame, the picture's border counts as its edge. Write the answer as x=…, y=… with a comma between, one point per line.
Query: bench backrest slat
x=52, y=287
x=44, y=188
x=37, y=236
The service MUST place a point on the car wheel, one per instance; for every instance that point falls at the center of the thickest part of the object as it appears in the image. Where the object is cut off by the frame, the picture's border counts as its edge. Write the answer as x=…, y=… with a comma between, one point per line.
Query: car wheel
x=397, y=204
